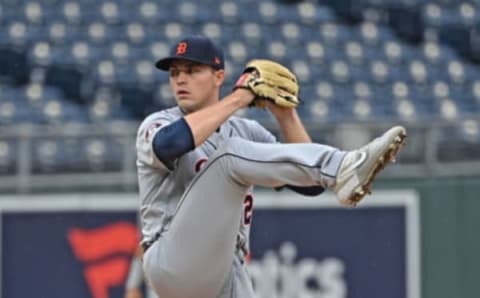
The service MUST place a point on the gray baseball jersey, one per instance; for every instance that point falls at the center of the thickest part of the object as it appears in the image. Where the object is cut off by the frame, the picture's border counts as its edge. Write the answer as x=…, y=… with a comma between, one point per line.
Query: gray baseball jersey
x=202, y=208
x=161, y=186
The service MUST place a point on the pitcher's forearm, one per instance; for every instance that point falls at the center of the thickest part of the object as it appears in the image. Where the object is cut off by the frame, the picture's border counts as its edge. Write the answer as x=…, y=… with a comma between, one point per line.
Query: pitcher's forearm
x=292, y=127
x=204, y=122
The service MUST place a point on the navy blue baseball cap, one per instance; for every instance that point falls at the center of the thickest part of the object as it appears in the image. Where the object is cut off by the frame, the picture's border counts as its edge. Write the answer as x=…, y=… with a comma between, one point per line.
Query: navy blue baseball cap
x=196, y=48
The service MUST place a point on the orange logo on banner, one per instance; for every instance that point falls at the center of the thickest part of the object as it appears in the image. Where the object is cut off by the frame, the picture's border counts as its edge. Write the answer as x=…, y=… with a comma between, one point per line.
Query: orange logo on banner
x=181, y=48
x=106, y=252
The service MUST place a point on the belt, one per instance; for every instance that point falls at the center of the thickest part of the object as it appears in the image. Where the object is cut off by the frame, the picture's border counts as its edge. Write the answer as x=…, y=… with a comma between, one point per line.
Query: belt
x=146, y=245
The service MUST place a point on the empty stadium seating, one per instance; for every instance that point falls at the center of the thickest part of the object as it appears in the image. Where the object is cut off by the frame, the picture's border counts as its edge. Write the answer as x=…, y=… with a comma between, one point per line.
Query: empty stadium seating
x=89, y=61
x=83, y=46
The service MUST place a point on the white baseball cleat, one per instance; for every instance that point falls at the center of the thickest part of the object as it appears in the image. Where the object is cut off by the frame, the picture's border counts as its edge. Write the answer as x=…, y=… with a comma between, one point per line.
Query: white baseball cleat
x=360, y=167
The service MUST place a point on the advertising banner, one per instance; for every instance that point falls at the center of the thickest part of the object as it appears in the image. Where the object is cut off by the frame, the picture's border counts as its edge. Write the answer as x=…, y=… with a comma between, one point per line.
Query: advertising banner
x=80, y=246
x=316, y=248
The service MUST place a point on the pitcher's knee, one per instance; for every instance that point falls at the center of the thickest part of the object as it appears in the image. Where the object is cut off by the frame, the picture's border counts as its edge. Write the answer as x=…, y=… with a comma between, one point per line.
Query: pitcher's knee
x=224, y=156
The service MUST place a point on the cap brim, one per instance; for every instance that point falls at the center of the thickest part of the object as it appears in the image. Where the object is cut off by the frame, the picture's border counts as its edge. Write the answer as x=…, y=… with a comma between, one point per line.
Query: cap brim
x=164, y=64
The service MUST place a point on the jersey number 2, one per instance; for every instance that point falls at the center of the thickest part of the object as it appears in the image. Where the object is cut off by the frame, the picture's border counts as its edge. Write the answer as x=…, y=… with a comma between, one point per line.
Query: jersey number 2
x=248, y=209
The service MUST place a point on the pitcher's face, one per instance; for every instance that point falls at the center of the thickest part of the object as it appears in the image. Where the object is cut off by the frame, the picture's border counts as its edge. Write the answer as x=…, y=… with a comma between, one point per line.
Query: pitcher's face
x=195, y=85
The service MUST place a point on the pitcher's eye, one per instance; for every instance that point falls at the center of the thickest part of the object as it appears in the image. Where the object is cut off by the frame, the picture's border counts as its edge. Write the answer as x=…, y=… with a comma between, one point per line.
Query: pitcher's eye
x=174, y=72
x=193, y=69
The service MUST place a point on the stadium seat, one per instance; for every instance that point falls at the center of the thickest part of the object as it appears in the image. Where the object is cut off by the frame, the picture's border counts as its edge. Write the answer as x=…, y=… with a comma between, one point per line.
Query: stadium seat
x=334, y=34
x=111, y=12
x=212, y=30
x=33, y=13
x=103, y=154
x=98, y=33
x=170, y=32
x=68, y=79
x=456, y=72
x=340, y=71
x=229, y=12
x=470, y=131
x=157, y=50
x=394, y=52
x=465, y=143
x=70, y=158
x=120, y=52
x=15, y=69
x=137, y=34
x=232, y=72
x=424, y=101
x=379, y=72
x=145, y=72
x=362, y=109
x=399, y=90
x=448, y=109
x=237, y=51
x=354, y=53
x=440, y=89
x=125, y=75
x=460, y=141
x=253, y=33
x=139, y=102
x=16, y=34
x=418, y=72
x=60, y=33
x=96, y=154
x=362, y=90
x=8, y=110
x=405, y=109
x=40, y=54
x=107, y=106
x=163, y=96
x=15, y=107
x=473, y=91
x=291, y=34
x=435, y=54
x=72, y=12
x=46, y=156
x=8, y=157
x=105, y=72
x=36, y=93
x=81, y=53
x=319, y=110
x=308, y=13
x=277, y=50
x=149, y=12
x=316, y=53
x=191, y=13
x=302, y=70
x=324, y=90
x=265, y=12
x=58, y=111
x=369, y=34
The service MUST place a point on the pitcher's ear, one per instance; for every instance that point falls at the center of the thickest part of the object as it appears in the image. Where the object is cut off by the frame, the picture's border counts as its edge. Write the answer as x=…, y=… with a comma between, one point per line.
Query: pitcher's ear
x=220, y=76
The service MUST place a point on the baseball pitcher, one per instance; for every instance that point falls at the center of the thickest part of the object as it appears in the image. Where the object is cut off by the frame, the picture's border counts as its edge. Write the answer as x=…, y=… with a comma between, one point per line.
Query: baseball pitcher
x=197, y=165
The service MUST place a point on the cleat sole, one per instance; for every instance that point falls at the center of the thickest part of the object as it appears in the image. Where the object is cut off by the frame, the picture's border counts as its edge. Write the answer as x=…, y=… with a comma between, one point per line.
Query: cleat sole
x=389, y=156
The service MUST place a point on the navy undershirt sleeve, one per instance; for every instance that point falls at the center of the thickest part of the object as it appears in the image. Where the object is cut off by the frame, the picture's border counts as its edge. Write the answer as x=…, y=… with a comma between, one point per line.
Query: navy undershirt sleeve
x=304, y=190
x=173, y=141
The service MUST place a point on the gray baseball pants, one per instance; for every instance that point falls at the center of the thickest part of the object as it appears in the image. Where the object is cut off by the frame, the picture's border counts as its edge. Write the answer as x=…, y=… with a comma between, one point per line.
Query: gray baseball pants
x=195, y=257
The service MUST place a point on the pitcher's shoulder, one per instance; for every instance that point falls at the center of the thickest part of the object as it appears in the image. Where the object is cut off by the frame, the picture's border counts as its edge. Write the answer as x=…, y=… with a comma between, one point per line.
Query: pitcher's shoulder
x=169, y=114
